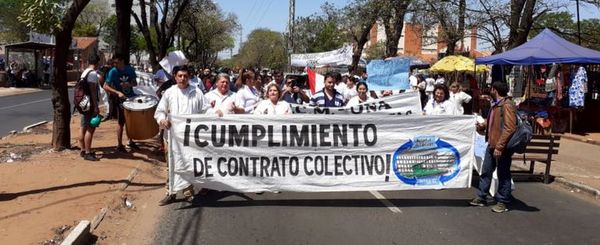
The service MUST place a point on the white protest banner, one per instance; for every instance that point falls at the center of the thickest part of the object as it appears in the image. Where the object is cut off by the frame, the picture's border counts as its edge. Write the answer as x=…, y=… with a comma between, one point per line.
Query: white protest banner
x=309, y=153
x=408, y=103
x=388, y=74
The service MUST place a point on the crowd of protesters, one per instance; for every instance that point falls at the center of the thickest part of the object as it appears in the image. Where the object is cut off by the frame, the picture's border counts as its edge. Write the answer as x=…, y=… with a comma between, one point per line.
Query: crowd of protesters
x=248, y=91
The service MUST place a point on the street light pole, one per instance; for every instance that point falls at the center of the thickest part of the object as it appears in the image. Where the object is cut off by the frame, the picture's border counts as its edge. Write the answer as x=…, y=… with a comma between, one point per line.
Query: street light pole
x=291, y=17
x=578, y=24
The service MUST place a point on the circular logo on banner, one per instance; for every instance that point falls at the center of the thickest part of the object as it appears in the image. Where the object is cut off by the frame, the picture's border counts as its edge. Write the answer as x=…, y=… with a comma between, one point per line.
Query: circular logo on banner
x=425, y=161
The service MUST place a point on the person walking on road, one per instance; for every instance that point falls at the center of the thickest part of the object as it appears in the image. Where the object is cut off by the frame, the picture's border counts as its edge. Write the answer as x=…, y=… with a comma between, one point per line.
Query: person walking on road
x=181, y=99
x=499, y=127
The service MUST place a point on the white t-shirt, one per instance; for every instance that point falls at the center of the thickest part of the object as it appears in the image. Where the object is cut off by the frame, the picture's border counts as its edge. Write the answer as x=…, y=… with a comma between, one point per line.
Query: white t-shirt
x=413, y=82
x=266, y=107
x=445, y=108
x=458, y=99
x=356, y=100
x=349, y=93
x=222, y=102
x=92, y=77
x=247, y=98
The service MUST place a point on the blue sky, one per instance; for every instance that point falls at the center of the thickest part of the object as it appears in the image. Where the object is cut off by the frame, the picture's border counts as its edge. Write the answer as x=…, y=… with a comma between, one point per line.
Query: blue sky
x=273, y=14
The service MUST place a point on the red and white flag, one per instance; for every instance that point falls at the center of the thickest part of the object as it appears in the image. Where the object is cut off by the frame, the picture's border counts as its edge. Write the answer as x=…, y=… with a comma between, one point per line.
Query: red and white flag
x=316, y=81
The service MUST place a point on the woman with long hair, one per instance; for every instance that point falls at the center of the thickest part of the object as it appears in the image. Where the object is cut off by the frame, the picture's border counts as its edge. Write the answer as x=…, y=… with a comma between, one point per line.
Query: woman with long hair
x=361, y=97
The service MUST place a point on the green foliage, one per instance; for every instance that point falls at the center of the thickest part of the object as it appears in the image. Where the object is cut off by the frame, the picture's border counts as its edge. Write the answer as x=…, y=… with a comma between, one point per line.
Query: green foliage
x=11, y=30
x=376, y=51
x=109, y=33
x=562, y=24
x=318, y=33
x=85, y=30
x=206, y=31
x=264, y=49
x=91, y=21
x=42, y=15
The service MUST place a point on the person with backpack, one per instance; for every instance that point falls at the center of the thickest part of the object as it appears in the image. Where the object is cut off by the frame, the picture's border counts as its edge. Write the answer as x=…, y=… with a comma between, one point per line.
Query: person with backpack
x=499, y=128
x=120, y=82
x=88, y=86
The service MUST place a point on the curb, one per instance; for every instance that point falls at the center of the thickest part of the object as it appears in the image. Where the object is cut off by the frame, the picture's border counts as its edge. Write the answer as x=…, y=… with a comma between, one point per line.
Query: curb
x=580, y=139
x=593, y=192
x=34, y=125
x=79, y=235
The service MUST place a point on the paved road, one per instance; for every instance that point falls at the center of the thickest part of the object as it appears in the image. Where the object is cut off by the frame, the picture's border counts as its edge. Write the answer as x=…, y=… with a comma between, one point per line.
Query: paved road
x=542, y=214
x=18, y=111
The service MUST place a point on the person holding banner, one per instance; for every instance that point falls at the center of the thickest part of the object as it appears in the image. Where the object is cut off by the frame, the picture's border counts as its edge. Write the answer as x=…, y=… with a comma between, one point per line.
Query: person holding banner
x=182, y=99
x=328, y=97
x=499, y=127
x=440, y=104
x=351, y=89
x=361, y=97
x=272, y=105
x=221, y=98
x=248, y=95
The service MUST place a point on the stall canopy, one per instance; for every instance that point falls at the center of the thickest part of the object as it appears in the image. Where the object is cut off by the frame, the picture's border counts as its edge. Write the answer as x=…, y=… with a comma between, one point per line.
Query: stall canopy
x=545, y=48
x=338, y=57
x=456, y=63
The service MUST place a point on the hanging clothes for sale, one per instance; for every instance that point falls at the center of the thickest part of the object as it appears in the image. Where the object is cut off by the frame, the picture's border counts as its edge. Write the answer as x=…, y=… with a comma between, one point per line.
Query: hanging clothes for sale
x=551, y=79
x=517, y=79
x=577, y=89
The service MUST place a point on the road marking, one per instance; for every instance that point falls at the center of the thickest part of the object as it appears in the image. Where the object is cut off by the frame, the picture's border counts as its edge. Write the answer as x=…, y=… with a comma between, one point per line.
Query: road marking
x=386, y=202
x=28, y=103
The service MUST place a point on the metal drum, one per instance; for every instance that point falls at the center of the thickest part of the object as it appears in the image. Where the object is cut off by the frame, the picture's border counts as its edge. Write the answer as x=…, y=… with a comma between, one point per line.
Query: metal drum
x=139, y=117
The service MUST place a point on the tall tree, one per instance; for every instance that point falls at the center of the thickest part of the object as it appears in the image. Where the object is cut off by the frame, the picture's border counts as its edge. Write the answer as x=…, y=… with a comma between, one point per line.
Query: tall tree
x=319, y=32
x=11, y=29
x=123, y=41
x=49, y=16
x=92, y=20
x=205, y=31
x=450, y=15
x=170, y=14
x=361, y=15
x=263, y=49
x=393, y=12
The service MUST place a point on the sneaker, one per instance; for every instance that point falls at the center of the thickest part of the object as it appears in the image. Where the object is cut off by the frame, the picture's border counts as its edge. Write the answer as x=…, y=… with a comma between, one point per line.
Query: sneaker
x=478, y=202
x=133, y=145
x=121, y=148
x=168, y=199
x=499, y=208
x=90, y=157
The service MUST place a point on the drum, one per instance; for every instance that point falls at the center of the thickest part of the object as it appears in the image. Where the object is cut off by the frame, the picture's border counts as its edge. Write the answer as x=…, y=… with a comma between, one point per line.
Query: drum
x=139, y=117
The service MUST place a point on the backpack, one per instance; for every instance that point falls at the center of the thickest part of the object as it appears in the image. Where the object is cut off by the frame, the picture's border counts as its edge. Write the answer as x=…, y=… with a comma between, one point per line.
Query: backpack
x=81, y=95
x=520, y=138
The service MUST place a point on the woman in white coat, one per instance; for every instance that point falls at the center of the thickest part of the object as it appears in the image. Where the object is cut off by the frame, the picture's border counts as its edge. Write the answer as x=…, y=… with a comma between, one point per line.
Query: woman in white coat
x=272, y=105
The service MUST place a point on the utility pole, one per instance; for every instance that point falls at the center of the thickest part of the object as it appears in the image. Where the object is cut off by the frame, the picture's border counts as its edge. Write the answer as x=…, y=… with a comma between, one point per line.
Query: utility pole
x=291, y=18
x=240, y=47
x=578, y=24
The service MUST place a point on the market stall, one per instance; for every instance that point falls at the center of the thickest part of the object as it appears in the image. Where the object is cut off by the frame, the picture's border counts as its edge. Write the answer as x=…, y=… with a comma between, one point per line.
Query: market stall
x=555, y=81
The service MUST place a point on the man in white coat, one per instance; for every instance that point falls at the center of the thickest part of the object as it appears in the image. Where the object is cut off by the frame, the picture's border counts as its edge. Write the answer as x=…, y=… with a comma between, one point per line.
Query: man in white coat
x=181, y=99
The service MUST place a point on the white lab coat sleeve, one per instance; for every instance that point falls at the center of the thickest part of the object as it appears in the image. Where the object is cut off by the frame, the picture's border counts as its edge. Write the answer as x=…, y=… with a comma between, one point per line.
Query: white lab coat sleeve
x=162, y=108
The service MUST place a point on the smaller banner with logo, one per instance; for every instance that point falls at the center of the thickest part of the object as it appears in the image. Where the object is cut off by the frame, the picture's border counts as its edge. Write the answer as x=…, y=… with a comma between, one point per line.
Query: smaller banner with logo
x=408, y=103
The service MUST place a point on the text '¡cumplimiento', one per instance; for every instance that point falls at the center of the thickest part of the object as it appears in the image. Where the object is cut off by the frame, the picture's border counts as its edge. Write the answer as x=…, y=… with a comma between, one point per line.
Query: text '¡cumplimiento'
x=313, y=135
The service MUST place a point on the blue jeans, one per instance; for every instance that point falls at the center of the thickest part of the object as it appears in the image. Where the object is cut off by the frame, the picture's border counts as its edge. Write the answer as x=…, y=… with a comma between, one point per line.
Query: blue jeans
x=490, y=163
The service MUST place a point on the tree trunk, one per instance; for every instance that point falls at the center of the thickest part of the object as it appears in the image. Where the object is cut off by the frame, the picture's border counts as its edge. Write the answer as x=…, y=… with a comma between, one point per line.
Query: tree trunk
x=521, y=20
x=61, y=131
x=393, y=27
x=123, y=42
x=358, y=49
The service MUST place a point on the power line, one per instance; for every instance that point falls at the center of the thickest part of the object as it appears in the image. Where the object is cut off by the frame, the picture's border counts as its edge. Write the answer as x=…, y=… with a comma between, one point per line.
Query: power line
x=264, y=12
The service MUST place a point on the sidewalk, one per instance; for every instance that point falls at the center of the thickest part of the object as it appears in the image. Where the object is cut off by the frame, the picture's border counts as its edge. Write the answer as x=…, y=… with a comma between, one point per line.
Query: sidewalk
x=15, y=91
x=47, y=193
x=577, y=162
